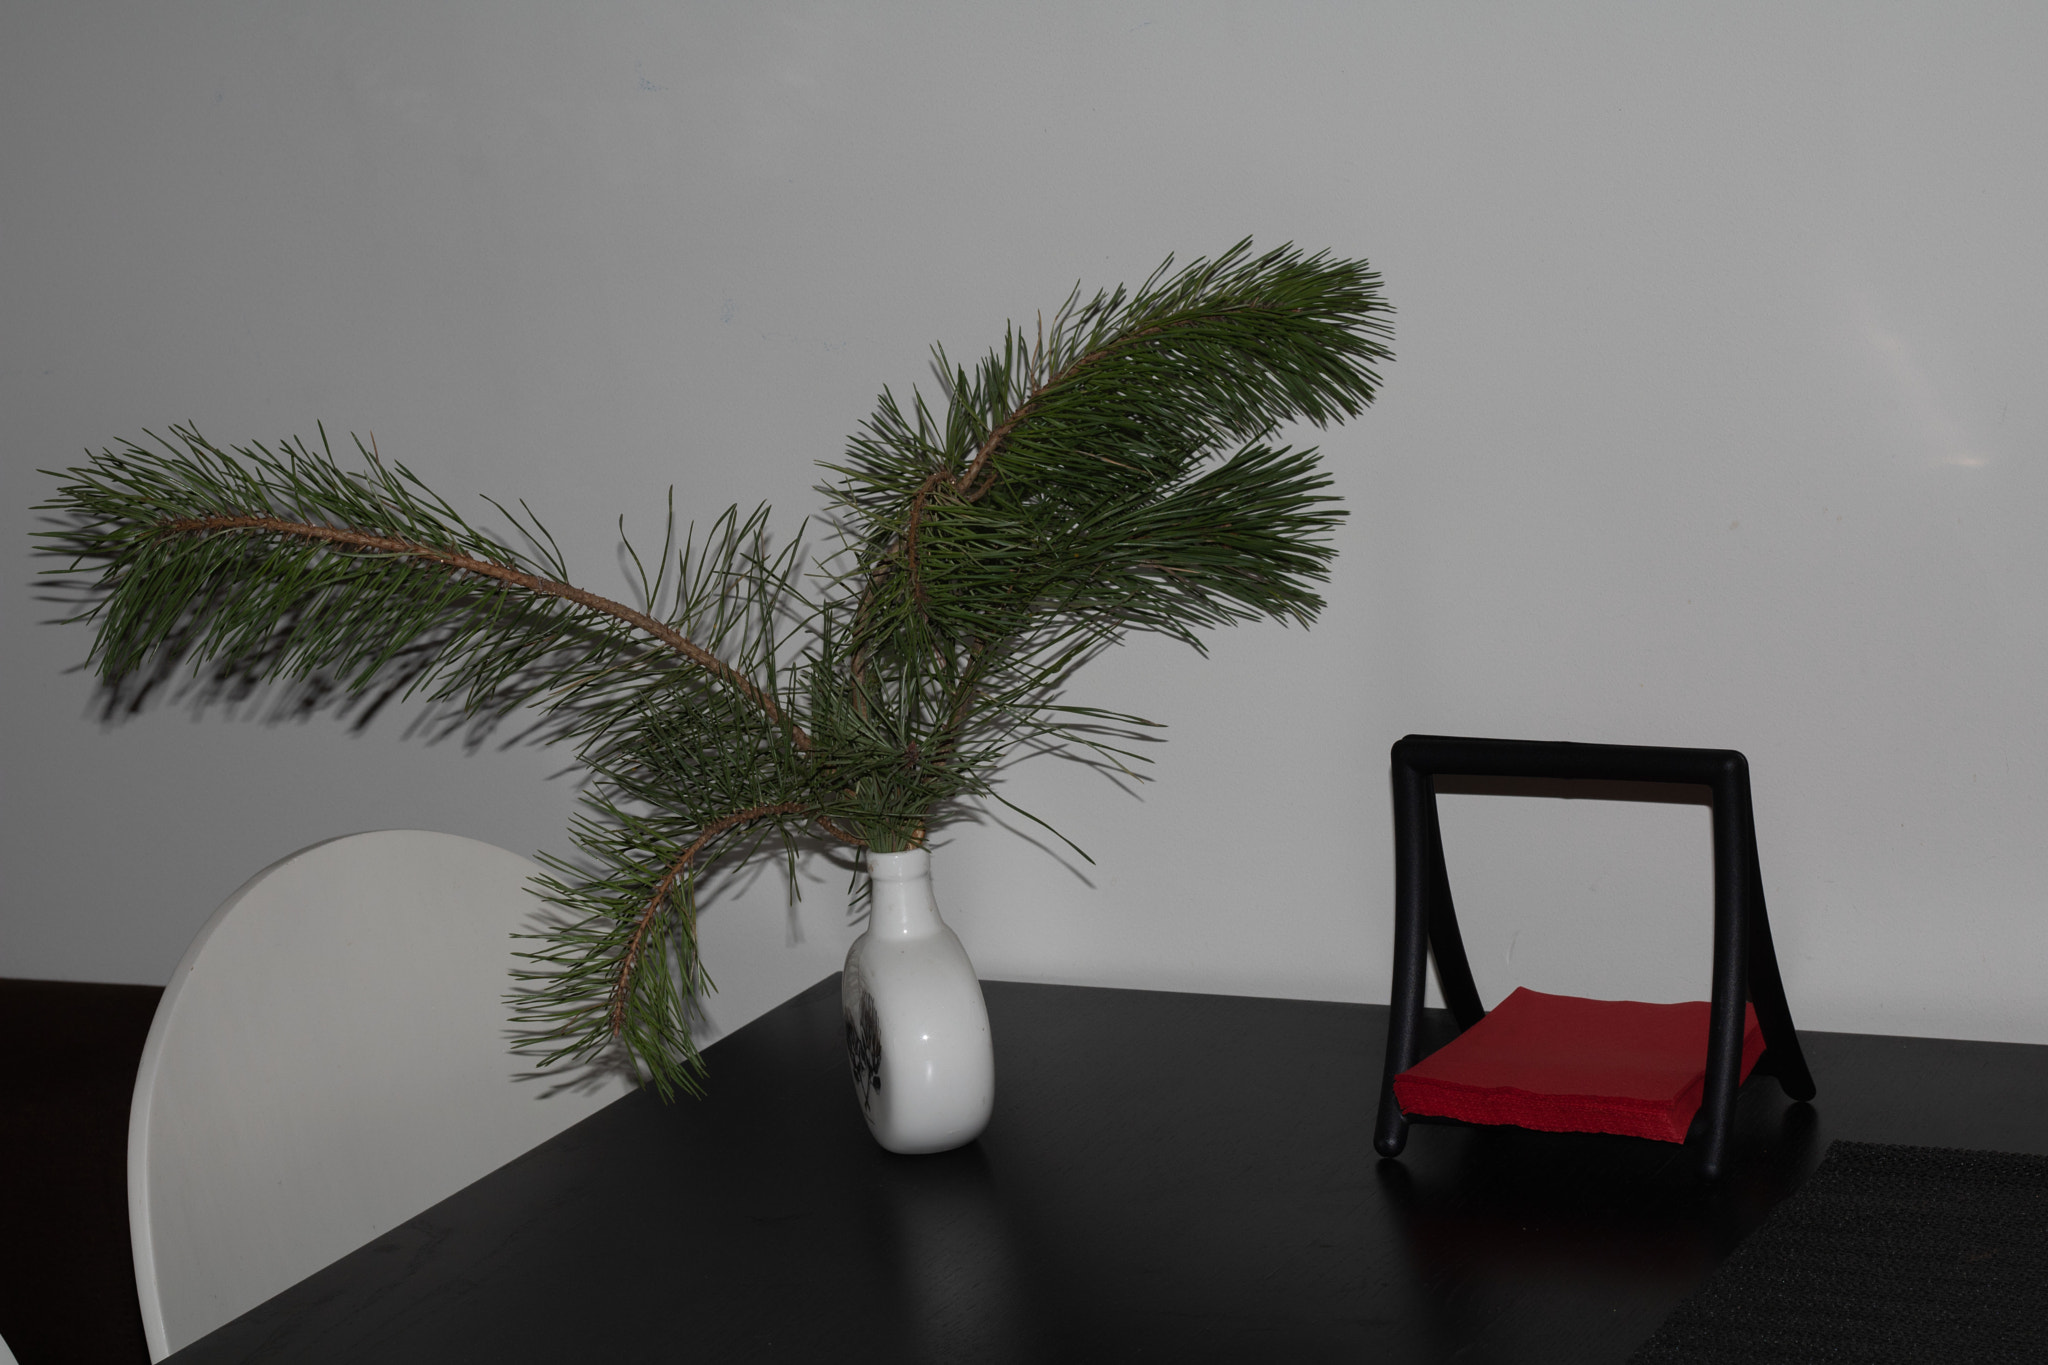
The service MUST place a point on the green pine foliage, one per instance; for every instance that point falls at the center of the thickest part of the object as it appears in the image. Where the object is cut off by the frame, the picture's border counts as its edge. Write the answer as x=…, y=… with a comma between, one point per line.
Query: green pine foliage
x=1112, y=470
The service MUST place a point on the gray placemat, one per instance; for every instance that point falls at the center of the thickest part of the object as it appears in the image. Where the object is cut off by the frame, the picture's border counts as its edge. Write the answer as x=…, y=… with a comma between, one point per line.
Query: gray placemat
x=1907, y=1254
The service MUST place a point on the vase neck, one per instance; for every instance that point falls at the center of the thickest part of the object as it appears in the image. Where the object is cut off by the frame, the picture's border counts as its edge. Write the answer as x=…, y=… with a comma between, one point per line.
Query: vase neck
x=901, y=903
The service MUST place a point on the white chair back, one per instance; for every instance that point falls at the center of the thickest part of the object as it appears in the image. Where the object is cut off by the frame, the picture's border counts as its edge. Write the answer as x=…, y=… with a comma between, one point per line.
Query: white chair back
x=330, y=1059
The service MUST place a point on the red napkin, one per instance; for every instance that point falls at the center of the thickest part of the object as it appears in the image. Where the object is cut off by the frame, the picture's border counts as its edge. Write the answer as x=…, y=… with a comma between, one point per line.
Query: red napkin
x=1563, y=1064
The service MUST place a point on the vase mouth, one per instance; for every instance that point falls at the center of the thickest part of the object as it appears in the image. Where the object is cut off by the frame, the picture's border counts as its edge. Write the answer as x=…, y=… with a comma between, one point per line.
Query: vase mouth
x=897, y=867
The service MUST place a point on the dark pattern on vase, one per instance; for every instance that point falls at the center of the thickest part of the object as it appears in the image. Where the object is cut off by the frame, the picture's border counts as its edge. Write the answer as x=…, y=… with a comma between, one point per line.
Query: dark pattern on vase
x=864, y=1050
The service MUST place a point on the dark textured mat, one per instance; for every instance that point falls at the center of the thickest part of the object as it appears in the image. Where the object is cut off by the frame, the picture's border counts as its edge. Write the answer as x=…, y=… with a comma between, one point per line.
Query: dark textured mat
x=1920, y=1254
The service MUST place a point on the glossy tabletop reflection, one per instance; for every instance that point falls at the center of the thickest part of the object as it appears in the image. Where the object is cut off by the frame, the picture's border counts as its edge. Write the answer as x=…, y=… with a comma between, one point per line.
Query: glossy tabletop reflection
x=1167, y=1177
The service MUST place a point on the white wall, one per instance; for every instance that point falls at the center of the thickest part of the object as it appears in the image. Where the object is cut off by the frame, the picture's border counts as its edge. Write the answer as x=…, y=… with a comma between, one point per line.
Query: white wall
x=1718, y=419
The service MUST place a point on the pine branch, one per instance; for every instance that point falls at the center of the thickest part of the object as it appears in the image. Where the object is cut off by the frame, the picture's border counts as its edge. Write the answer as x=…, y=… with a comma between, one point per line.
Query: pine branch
x=427, y=554
x=1127, y=394
x=1116, y=472
x=1113, y=476
x=258, y=559
x=631, y=960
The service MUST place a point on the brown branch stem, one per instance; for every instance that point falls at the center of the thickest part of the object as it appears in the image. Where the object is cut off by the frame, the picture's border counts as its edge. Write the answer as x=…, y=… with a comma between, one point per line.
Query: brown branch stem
x=483, y=568
x=974, y=482
x=842, y=835
x=630, y=963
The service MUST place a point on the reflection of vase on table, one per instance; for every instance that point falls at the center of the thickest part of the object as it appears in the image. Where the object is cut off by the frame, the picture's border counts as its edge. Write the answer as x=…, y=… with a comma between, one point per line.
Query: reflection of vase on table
x=917, y=1034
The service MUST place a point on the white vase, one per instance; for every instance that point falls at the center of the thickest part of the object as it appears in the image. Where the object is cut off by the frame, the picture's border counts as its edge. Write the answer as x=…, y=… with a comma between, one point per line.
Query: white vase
x=916, y=1027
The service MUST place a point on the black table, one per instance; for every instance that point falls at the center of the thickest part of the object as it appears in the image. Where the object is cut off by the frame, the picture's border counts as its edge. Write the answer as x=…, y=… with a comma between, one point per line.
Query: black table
x=1167, y=1177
